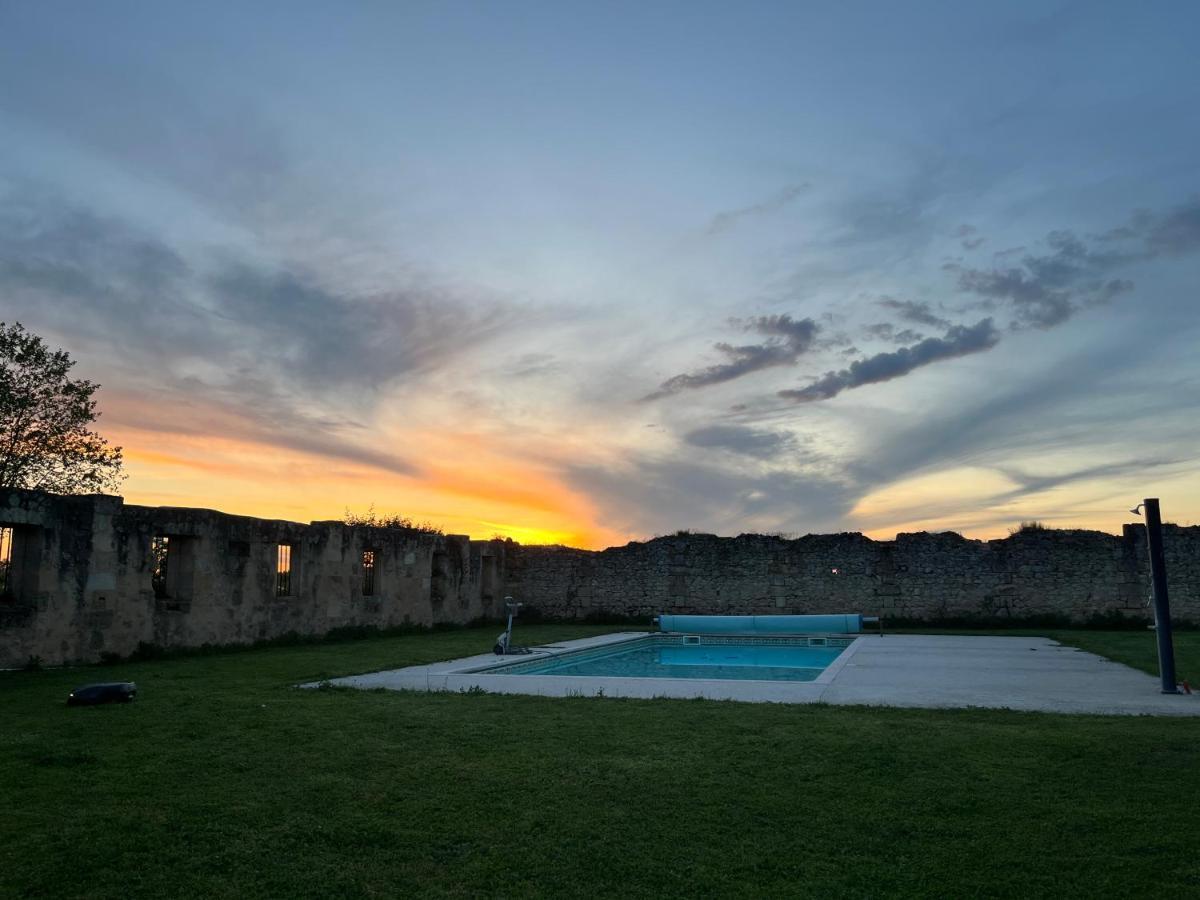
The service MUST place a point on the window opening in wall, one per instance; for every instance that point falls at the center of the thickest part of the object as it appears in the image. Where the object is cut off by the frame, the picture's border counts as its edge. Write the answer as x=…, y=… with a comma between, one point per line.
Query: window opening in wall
x=19, y=559
x=159, y=553
x=368, y=571
x=6, y=557
x=283, y=570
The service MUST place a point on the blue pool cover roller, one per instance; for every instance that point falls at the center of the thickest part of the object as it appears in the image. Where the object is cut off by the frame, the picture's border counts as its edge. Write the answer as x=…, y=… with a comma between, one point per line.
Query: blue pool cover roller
x=849, y=623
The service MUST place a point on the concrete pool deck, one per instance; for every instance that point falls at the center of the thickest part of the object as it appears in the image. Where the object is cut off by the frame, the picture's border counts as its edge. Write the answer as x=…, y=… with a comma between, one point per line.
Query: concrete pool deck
x=906, y=670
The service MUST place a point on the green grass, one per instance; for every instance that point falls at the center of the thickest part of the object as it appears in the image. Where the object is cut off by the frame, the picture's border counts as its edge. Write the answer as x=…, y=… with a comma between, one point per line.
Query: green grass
x=1138, y=649
x=222, y=780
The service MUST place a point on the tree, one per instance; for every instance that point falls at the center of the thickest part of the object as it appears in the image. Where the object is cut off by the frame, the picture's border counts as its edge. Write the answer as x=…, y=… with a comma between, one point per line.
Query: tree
x=46, y=443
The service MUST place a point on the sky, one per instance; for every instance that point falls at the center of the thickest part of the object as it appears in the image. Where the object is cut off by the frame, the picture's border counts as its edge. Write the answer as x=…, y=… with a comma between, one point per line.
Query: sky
x=590, y=273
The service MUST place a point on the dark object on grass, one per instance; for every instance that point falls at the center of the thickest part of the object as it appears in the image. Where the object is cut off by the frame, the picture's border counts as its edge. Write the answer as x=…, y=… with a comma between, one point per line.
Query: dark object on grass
x=110, y=692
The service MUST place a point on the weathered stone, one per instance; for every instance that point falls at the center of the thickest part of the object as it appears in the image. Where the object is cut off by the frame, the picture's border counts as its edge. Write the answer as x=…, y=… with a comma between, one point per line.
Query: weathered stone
x=81, y=580
x=1067, y=573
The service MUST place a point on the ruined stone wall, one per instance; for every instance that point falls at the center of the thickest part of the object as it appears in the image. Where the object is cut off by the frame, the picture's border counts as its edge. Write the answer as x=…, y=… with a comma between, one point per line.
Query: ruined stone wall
x=1073, y=574
x=80, y=584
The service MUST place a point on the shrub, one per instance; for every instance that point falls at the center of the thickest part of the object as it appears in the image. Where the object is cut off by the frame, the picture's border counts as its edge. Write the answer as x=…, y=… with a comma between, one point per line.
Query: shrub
x=371, y=519
x=1031, y=525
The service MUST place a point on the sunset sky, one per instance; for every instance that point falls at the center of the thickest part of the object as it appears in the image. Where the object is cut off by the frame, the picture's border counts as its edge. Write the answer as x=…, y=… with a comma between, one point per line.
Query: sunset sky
x=587, y=273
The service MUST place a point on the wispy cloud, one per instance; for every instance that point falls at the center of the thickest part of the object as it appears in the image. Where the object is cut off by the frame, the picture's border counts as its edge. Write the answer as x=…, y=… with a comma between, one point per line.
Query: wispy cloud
x=912, y=311
x=969, y=237
x=886, y=331
x=651, y=495
x=959, y=340
x=724, y=221
x=754, y=442
x=787, y=340
x=261, y=351
x=1046, y=289
x=1172, y=233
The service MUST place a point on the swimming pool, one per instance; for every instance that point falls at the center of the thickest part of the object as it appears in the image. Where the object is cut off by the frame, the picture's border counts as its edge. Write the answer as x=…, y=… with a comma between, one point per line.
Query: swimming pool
x=692, y=656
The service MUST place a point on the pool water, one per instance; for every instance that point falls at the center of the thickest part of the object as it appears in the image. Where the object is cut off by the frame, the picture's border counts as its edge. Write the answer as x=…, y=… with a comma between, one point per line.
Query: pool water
x=738, y=659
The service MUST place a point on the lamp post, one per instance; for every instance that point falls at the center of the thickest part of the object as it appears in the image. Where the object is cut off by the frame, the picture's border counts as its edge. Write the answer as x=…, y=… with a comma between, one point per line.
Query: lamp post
x=1162, y=606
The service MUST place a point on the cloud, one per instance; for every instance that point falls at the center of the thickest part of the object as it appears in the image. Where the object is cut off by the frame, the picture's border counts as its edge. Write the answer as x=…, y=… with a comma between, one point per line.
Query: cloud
x=330, y=340
x=740, y=439
x=530, y=365
x=968, y=237
x=902, y=210
x=101, y=276
x=886, y=331
x=1092, y=398
x=1037, y=305
x=787, y=340
x=176, y=406
x=262, y=351
x=648, y=495
x=960, y=340
x=1047, y=289
x=1175, y=233
x=1036, y=484
x=1044, y=290
x=723, y=221
x=911, y=311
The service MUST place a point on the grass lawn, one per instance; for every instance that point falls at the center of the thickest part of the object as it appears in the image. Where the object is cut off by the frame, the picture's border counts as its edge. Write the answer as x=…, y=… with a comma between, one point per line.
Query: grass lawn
x=222, y=780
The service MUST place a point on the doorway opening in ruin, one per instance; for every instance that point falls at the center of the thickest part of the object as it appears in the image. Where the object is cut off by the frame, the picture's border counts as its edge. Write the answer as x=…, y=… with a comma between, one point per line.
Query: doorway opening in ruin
x=20, y=548
x=172, y=565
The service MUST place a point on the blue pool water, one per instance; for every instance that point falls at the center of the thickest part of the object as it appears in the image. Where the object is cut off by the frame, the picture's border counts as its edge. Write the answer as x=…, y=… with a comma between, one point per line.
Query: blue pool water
x=738, y=659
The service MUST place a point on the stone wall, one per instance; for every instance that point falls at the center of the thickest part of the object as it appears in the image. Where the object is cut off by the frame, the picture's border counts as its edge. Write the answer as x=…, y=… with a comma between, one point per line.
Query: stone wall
x=81, y=583
x=1073, y=574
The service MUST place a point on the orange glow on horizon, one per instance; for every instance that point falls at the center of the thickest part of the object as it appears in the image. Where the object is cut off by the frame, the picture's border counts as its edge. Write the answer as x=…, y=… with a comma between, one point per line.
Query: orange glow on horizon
x=487, y=484
x=483, y=494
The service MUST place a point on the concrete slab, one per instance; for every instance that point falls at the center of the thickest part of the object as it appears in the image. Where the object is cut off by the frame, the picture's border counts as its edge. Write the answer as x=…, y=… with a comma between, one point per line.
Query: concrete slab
x=929, y=671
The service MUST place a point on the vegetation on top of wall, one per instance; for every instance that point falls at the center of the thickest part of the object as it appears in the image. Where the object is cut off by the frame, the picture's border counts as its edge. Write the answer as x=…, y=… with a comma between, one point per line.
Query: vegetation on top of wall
x=372, y=519
x=1031, y=525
